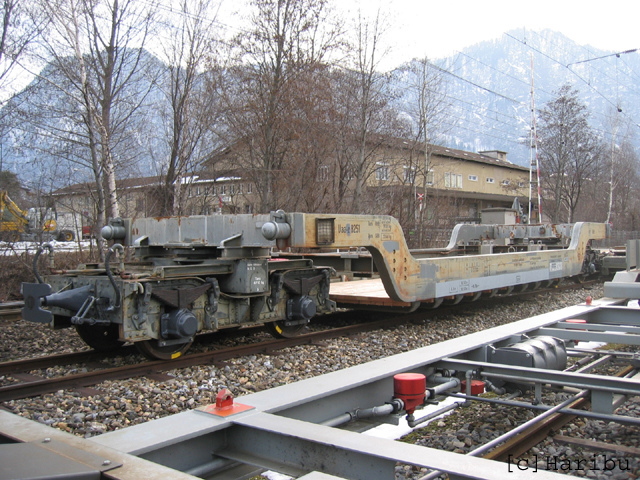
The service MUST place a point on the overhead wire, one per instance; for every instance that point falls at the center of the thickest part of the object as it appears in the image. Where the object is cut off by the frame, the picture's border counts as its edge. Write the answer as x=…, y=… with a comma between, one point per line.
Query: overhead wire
x=602, y=73
x=617, y=55
x=607, y=100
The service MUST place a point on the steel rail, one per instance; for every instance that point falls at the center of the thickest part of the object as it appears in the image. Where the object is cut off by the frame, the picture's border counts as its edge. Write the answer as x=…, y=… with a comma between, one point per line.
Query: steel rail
x=11, y=311
x=40, y=387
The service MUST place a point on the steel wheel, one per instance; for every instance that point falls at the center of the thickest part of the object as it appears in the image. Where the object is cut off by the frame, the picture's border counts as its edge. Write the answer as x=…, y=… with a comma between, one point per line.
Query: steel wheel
x=100, y=337
x=435, y=304
x=523, y=287
x=579, y=279
x=454, y=300
x=279, y=330
x=474, y=297
x=151, y=350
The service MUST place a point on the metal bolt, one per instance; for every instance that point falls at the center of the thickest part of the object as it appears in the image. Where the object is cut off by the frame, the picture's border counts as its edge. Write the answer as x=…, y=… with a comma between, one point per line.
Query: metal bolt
x=106, y=462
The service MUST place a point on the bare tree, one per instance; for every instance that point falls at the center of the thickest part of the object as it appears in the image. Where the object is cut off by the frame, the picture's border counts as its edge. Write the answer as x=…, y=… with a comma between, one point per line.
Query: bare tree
x=569, y=151
x=96, y=48
x=626, y=173
x=22, y=24
x=370, y=97
x=427, y=104
x=288, y=39
x=190, y=91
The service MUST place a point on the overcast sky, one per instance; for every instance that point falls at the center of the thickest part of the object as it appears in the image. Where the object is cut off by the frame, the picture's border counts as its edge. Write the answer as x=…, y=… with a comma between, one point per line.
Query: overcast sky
x=439, y=28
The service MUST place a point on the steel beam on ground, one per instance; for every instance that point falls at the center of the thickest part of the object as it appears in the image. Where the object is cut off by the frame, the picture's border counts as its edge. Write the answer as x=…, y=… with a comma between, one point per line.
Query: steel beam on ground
x=586, y=336
x=596, y=327
x=595, y=383
x=613, y=315
x=297, y=445
x=15, y=429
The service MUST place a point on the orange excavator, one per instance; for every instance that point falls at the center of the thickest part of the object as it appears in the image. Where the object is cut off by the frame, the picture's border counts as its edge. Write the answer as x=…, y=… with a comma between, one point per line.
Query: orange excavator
x=29, y=225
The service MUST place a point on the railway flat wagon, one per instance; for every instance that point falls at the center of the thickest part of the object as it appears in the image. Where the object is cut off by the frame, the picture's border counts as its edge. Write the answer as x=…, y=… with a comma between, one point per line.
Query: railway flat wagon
x=198, y=273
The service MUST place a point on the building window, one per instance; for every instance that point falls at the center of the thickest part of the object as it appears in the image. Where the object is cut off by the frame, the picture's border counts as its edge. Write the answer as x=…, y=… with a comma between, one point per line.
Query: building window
x=506, y=183
x=409, y=175
x=452, y=180
x=382, y=171
x=490, y=180
x=223, y=189
x=323, y=173
x=240, y=188
x=473, y=178
x=347, y=174
x=520, y=184
x=249, y=188
x=430, y=177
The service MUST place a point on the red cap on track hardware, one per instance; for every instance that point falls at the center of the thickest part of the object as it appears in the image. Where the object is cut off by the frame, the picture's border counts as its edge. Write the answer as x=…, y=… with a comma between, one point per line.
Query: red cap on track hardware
x=411, y=389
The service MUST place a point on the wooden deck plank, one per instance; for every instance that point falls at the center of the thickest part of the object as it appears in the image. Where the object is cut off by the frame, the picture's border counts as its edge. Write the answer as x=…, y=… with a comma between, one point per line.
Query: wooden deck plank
x=363, y=292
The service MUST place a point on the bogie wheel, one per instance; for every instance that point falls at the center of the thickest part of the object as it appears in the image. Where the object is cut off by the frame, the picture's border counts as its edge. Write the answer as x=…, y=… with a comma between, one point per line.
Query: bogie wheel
x=279, y=330
x=506, y=290
x=474, y=297
x=580, y=279
x=435, y=304
x=153, y=351
x=100, y=337
x=523, y=287
x=454, y=300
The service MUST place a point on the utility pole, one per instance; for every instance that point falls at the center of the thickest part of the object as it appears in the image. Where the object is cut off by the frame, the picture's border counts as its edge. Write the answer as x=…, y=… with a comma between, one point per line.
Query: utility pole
x=534, y=161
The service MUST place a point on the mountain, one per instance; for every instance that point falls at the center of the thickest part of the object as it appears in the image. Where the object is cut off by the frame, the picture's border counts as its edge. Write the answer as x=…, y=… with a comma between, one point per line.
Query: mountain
x=44, y=139
x=489, y=88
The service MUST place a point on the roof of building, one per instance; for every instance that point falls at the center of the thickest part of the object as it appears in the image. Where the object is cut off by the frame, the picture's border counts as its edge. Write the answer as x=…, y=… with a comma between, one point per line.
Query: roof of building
x=380, y=140
x=403, y=144
x=144, y=182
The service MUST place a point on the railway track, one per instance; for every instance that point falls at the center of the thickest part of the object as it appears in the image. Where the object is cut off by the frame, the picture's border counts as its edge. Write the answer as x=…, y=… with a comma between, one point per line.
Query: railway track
x=25, y=384
x=538, y=431
x=10, y=311
x=33, y=386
